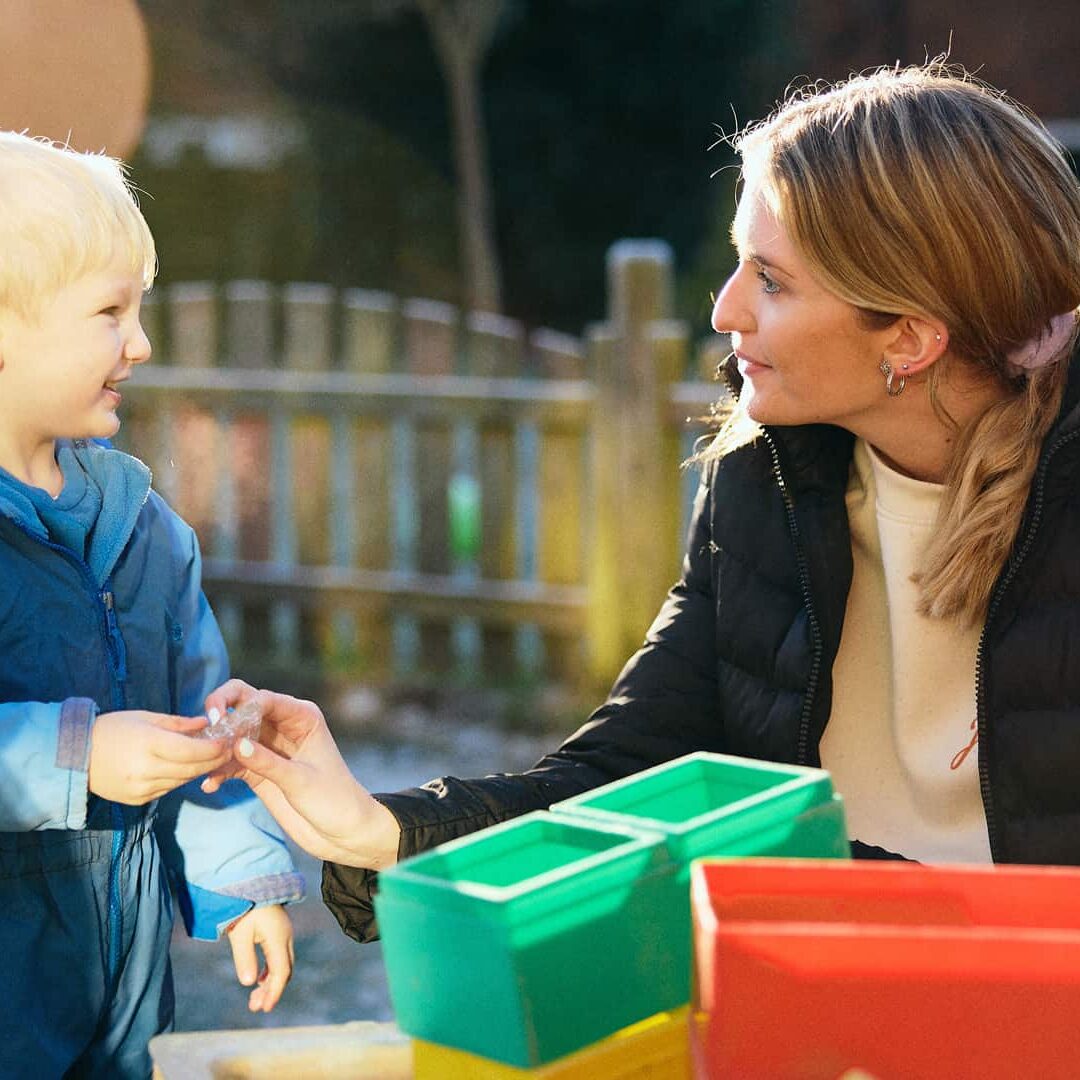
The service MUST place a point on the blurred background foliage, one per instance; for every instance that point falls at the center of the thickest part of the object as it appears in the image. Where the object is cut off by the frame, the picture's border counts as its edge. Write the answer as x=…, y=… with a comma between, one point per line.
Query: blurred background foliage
x=320, y=140
x=313, y=141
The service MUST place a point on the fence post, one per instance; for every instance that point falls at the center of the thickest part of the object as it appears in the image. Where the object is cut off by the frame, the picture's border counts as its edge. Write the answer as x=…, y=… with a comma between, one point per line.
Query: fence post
x=192, y=324
x=308, y=317
x=369, y=330
x=362, y=485
x=634, y=357
x=494, y=455
x=249, y=324
x=423, y=451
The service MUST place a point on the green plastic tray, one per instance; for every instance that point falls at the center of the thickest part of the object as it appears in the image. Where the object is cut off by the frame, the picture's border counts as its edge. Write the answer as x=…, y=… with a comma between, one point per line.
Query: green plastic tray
x=716, y=804
x=532, y=939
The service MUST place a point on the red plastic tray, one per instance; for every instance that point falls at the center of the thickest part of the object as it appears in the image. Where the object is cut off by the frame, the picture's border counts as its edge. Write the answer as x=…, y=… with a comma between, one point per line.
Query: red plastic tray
x=807, y=969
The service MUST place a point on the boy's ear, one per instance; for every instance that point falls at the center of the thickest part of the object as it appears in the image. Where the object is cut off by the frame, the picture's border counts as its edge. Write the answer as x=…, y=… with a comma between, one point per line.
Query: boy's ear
x=916, y=344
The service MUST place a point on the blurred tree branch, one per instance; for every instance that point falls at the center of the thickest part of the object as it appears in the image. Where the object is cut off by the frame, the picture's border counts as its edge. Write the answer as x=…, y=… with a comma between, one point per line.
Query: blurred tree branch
x=462, y=32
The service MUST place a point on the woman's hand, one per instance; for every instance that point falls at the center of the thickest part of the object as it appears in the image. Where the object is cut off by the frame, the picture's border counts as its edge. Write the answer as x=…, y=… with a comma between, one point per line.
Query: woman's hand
x=271, y=929
x=298, y=772
x=137, y=756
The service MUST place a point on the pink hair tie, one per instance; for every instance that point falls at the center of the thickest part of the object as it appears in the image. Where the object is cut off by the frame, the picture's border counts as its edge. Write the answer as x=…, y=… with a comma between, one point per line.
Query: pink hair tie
x=1039, y=351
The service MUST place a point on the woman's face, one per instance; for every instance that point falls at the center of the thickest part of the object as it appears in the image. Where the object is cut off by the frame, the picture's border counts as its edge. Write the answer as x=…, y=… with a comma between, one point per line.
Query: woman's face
x=802, y=352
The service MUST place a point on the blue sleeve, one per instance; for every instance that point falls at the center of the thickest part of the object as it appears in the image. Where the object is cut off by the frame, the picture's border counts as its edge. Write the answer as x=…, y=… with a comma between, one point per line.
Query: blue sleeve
x=225, y=853
x=44, y=757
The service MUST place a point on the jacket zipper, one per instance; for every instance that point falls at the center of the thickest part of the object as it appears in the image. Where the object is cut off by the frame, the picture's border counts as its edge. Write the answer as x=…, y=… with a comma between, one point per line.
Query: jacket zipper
x=114, y=644
x=115, y=641
x=118, y=655
x=803, y=746
x=995, y=602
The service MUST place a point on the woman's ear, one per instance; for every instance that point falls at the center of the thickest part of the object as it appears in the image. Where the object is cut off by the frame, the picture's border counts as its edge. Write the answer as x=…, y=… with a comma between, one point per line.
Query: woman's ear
x=915, y=344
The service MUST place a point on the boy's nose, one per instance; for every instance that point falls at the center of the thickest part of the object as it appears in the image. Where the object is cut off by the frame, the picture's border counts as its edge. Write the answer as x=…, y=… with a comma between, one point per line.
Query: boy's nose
x=138, y=347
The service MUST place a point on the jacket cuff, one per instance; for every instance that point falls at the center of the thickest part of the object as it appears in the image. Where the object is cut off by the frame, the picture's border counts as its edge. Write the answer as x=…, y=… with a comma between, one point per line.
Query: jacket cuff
x=77, y=716
x=207, y=913
x=348, y=892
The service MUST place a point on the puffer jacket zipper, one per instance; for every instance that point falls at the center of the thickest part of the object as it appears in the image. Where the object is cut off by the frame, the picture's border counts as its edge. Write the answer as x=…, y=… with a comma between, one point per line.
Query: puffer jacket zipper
x=995, y=602
x=114, y=646
x=803, y=745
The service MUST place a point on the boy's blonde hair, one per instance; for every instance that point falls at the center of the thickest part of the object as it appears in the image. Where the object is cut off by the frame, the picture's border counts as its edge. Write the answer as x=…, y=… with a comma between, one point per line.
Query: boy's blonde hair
x=922, y=190
x=63, y=214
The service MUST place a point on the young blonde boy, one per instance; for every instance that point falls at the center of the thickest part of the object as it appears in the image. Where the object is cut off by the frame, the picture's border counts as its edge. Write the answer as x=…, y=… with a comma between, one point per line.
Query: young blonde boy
x=109, y=649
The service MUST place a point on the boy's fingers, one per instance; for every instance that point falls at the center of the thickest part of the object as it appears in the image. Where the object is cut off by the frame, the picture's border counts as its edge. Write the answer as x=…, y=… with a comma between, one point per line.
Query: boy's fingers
x=244, y=959
x=274, y=978
x=182, y=724
x=172, y=746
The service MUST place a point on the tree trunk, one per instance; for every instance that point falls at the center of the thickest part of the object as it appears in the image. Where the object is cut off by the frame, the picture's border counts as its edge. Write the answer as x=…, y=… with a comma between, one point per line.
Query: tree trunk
x=461, y=34
x=475, y=219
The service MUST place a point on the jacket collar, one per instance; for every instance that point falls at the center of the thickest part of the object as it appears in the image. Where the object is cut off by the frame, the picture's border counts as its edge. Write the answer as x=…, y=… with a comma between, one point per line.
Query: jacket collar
x=124, y=482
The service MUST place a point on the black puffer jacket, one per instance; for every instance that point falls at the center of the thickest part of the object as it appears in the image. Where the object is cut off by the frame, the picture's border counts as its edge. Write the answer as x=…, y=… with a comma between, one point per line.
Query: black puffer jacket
x=739, y=659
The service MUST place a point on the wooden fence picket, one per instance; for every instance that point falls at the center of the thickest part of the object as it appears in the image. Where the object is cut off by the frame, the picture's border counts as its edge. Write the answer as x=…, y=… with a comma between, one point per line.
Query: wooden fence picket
x=393, y=489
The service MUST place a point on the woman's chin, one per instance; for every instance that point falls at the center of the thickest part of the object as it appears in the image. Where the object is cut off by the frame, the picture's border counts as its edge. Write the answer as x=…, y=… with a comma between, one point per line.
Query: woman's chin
x=758, y=408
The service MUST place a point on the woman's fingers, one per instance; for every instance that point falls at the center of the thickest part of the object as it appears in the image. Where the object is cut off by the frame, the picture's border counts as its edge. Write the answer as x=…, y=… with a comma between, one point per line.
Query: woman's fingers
x=258, y=759
x=230, y=694
x=230, y=770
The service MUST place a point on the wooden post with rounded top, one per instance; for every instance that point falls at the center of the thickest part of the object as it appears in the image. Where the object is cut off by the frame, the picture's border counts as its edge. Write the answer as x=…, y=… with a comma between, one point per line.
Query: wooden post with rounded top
x=634, y=480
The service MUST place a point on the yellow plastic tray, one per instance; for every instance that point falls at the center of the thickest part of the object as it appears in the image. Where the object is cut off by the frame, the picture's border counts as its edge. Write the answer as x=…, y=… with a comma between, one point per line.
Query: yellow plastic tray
x=657, y=1046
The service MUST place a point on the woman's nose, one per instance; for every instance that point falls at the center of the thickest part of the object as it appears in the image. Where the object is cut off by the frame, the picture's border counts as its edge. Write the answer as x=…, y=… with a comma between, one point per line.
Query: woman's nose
x=730, y=312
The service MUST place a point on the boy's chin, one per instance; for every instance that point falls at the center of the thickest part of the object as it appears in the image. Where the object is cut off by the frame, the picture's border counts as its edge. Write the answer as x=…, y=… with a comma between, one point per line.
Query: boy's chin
x=104, y=428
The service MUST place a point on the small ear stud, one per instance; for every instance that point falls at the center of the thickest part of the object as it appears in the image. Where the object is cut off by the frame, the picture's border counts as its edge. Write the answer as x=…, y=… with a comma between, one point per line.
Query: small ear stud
x=937, y=337
x=904, y=367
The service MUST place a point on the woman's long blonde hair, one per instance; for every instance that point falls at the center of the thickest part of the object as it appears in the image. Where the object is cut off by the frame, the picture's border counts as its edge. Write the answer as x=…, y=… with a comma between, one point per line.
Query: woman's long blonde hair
x=921, y=190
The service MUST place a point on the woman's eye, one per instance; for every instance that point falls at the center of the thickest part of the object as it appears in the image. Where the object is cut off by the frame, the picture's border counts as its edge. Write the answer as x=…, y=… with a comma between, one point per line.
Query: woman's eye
x=767, y=284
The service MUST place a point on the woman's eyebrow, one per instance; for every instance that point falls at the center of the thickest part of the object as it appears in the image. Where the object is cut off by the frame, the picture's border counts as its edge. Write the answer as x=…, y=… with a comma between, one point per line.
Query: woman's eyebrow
x=764, y=262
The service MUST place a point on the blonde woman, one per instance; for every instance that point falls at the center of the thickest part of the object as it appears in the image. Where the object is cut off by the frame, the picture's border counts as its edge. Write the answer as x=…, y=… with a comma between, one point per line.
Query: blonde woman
x=881, y=574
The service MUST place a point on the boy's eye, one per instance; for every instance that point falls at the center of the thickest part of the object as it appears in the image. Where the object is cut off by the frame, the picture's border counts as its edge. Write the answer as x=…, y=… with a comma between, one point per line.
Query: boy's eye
x=113, y=311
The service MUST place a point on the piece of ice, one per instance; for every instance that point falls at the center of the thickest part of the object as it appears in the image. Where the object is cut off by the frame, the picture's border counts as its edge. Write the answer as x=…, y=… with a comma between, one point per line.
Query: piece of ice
x=243, y=721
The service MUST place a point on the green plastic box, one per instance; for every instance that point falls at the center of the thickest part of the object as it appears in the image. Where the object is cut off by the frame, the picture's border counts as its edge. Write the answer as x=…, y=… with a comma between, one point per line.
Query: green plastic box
x=532, y=939
x=718, y=805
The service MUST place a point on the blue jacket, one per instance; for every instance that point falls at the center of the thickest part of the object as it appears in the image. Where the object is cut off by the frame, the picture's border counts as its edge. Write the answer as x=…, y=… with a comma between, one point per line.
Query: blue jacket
x=128, y=628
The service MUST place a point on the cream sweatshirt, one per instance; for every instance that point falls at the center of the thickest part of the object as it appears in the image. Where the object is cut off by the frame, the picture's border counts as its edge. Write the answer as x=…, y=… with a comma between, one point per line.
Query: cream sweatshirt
x=900, y=742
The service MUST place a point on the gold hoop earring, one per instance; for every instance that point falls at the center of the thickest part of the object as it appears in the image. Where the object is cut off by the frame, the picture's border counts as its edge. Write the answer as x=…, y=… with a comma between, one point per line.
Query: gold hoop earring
x=891, y=389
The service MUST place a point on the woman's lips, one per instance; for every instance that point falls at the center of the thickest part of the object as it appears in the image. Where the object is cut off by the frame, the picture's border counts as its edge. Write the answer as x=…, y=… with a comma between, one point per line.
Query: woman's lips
x=748, y=365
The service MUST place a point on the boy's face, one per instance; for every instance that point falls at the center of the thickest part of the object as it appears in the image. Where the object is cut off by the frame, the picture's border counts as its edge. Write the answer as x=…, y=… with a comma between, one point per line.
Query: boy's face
x=59, y=374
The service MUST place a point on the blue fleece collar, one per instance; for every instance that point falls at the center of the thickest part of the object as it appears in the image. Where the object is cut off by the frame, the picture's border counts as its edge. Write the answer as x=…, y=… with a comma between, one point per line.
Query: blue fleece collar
x=124, y=482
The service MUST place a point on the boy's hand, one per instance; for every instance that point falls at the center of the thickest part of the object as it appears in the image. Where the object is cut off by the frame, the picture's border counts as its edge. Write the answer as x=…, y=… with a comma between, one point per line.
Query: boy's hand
x=136, y=756
x=270, y=928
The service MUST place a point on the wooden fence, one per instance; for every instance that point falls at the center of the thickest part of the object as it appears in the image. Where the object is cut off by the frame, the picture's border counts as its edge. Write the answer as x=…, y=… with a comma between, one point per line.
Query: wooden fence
x=394, y=489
